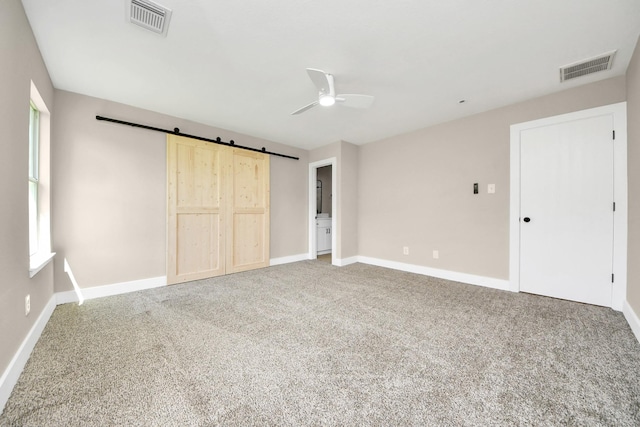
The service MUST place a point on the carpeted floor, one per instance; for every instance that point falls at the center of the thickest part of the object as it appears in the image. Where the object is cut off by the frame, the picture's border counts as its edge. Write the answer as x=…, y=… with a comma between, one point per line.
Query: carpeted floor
x=311, y=344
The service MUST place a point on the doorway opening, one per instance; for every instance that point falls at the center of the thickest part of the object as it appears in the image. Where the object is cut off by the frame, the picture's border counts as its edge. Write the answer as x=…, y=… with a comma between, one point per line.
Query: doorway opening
x=323, y=210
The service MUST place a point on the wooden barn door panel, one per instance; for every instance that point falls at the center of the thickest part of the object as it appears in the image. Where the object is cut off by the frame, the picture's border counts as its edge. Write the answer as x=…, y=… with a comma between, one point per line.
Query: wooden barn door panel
x=196, y=179
x=197, y=246
x=248, y=210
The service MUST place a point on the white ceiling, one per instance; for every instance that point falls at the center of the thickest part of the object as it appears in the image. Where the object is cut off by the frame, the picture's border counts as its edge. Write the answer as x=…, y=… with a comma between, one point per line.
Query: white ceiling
x=240, y=65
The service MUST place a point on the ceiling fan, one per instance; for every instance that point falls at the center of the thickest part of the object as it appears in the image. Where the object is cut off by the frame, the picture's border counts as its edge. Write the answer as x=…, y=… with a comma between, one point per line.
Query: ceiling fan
x=327, y=93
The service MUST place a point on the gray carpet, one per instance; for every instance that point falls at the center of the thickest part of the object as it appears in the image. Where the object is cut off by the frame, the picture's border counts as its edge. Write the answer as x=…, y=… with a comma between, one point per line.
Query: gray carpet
x=311, y=344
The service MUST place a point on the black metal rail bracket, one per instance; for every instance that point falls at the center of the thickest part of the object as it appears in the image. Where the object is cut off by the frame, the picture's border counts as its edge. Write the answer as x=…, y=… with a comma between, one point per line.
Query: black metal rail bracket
x=176, y=131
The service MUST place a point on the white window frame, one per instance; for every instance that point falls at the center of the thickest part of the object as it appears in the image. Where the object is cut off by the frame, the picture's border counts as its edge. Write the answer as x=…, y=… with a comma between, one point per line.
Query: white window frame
x=38, y=184
x=34, y=157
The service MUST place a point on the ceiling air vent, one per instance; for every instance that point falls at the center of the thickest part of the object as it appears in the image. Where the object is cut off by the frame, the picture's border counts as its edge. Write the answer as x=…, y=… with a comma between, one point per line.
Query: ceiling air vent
x=149, y=15
x=588, y=66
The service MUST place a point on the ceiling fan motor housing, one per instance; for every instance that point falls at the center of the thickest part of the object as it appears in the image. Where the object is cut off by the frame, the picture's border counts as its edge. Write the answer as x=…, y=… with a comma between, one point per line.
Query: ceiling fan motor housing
x=327, y=93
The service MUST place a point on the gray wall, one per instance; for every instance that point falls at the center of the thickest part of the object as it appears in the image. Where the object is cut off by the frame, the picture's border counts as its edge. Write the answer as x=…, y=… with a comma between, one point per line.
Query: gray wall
x=20, y=62
x=633, y=128
x=109, y=197
x=415, y=189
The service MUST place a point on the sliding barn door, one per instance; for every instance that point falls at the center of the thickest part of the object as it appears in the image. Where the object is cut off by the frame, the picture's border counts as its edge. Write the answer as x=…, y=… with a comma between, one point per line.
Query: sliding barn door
x=248, y=211
x=196, y=215
x=218, y=209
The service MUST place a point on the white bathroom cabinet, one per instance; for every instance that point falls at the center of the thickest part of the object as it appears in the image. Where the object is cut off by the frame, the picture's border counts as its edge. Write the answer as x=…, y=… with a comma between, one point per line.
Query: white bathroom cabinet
x=324, y=235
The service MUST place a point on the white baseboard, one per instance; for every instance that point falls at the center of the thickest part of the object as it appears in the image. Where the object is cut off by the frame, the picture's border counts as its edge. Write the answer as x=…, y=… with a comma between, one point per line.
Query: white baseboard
x=109, y=290
x=488, y=282
x=12, y=373
x=632, y=319
x=346, y=261
x=288, y=259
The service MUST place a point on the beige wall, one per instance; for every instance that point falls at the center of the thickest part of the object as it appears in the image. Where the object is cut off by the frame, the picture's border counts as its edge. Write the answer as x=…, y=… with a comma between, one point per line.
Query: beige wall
x=415, y=189
x=109, y=195
x=289, y=200
x=325, y=152
x=349, y=199
x=633, y=128
x=346, y=217
x=20, y=62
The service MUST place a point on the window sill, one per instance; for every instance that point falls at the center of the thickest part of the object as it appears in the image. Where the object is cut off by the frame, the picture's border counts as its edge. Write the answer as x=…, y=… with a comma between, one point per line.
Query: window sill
x=38, y=262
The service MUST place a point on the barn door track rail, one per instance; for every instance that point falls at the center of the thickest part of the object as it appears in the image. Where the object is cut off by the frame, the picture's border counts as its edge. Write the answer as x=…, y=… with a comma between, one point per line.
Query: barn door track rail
x=176, y=131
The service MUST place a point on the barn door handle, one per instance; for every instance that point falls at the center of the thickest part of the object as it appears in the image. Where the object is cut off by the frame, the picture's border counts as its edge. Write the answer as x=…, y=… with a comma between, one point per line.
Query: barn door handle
x=526, y=219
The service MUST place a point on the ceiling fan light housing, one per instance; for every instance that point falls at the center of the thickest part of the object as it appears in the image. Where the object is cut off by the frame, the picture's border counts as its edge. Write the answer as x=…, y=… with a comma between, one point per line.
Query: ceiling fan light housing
x=326, y=100
x=327, y=93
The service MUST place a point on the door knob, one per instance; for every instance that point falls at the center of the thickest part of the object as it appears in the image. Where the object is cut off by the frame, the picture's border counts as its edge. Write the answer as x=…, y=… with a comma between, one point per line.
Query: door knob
x=526, y=219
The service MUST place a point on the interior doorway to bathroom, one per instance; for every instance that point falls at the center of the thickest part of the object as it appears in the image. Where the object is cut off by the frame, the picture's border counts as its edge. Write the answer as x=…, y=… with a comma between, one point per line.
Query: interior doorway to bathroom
x=323, y=190
x=323, y=213
x=322, y=210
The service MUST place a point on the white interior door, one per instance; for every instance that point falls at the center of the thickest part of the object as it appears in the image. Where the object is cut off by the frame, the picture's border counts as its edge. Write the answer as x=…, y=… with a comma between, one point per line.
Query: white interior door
x=566, y=210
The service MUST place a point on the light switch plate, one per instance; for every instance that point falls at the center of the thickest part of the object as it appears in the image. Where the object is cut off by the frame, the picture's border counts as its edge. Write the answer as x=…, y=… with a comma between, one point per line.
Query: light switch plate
x=491, y=188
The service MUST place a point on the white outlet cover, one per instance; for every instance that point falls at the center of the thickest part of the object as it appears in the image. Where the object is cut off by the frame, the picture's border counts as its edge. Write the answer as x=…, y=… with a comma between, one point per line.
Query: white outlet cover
x=27, y=305
x=436, y=254
x=405, y=250
x=491, y=188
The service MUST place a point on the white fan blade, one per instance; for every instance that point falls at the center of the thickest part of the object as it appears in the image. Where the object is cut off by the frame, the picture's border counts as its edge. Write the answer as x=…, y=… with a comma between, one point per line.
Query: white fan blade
x=305, y=108
x=354, y=100
x=320, y=79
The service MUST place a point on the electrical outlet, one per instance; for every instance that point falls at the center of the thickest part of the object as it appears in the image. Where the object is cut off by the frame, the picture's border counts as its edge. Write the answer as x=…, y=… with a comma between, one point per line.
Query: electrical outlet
x=405, y=250
x=27, y=305
x=491, y=188
x=436, y=254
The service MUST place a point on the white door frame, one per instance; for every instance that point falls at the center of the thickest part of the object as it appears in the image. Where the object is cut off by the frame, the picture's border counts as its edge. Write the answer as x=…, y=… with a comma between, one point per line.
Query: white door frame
x=619, y=112
x=313, y=237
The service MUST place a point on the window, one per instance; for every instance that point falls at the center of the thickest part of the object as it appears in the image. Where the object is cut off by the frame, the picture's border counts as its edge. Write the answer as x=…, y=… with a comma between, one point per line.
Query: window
x=34, y=151
x=39, y=178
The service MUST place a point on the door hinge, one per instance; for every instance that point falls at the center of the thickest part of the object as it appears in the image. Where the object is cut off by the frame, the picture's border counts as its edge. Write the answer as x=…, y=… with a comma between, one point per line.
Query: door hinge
x=614, y=206
x=612, y=277
x=614, y=134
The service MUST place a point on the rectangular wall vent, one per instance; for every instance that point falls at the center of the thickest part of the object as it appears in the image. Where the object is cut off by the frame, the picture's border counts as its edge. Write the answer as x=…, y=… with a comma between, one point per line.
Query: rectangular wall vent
x=588, y=66
x=150, y=15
